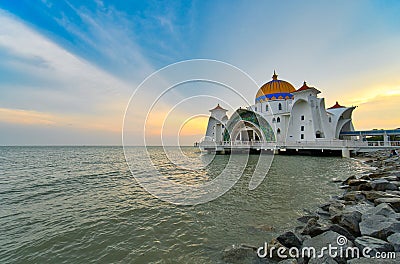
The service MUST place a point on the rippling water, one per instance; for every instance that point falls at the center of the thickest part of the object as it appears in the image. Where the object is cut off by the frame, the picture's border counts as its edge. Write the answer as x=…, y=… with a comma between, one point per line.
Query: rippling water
x=81, y=204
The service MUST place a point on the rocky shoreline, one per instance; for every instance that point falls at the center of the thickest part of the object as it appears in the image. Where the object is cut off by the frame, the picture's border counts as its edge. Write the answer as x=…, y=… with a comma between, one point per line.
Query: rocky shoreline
x=364, y=219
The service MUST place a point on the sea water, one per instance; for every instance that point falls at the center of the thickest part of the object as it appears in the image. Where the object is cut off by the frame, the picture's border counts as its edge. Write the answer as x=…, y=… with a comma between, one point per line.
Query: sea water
x=82, y=204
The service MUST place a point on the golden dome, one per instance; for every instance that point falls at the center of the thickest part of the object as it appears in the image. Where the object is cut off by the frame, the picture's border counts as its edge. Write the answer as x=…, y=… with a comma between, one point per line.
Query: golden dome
x=275, y=90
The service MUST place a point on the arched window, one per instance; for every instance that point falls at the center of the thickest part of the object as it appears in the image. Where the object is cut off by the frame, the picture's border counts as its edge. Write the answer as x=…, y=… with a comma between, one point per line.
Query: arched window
x=266, y=108
x=273, y=120
x=278, y=120
x=256, y=108
x=330, y=119
x=279, y=106
x=278, y=131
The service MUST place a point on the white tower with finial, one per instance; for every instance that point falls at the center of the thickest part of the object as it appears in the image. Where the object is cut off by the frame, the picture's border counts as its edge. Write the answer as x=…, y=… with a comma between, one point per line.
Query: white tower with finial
x=216, y=124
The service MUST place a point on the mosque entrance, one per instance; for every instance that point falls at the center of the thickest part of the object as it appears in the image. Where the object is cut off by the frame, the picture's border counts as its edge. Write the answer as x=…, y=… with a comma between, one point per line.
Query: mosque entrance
x=247, y=126
x=246, y=132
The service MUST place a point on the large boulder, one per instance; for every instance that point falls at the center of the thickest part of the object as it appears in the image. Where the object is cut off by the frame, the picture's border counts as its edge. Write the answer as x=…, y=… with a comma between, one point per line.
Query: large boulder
x=381, y=209
x=350, y=221
x=354, y=196
x=313, y=228
x=289, y=239
x=394, y=239
x=343, y=231
x=394, y=202
x=356, y=182
x=326, y=239
x=373, y=195
x=335, y=207
x=383, y=185
x=361, y=207
x=346, y=182
x=362, y=187
x=378, y=226
x=378, y=174
x=375, y=244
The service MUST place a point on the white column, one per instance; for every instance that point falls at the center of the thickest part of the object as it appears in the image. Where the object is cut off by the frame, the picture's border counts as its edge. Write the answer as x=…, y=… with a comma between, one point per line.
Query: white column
x=345, y=153
x=385, y=139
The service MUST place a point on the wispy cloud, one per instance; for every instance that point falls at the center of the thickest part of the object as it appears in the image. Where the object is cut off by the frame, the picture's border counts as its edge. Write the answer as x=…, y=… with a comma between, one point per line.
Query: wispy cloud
x=109, y=32
x=25, y=117
x=59, y=71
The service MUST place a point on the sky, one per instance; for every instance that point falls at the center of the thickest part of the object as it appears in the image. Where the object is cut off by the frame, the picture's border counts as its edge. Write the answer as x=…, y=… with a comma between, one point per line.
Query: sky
x=68, y=69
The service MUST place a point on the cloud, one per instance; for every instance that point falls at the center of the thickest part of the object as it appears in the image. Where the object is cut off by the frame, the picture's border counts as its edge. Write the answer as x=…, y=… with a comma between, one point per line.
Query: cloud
x=382, y=111
x=110, y=36
x=25, y=117
x=55, y=78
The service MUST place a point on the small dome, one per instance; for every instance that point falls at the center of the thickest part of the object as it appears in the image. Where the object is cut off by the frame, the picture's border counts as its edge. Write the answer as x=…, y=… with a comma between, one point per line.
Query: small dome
x=218, y=107
x=337, y=105
x=275, y=90
x=304, y=87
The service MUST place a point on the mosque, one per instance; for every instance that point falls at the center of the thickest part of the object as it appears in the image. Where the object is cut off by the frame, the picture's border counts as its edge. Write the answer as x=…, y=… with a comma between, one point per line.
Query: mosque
x=284, y=118
x=289, y=114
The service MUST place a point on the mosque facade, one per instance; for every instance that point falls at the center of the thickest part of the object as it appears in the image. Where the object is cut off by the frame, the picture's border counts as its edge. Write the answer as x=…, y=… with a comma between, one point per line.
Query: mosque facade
x=282, y=114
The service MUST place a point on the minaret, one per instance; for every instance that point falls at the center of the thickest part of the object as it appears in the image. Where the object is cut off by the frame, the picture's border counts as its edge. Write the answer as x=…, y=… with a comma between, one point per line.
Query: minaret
x=218, y=112
x=216, y=124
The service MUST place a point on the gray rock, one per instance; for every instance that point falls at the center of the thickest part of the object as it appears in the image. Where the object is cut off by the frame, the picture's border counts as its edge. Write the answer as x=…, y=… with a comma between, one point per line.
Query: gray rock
x=343, y=231
x=351, y=221
x=375, y=244
x=381, y=209
x=335, y=208
x=378, y=174
x=362, y=187
x=239, y=254
x=356, y=182
x=304, y=219
x=324, y=240
x=361, y=207
x=326, y=259
x=288, y=261
x=383, y=185
x=391, y=178
x=313, y=228
x=378, y=226
x=372, y=195
x=366, y=177
x=394, y=239
x=278, y=248
x=325, y=207
x=346, y=182
x=322, y=213
x=374, y=261
x=352, y=195
x=289, y=239
x=394, y=202
x=396, y=193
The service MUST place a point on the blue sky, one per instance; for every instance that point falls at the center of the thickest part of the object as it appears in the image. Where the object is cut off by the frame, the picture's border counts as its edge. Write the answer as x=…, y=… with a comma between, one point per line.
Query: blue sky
x=68, y=68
